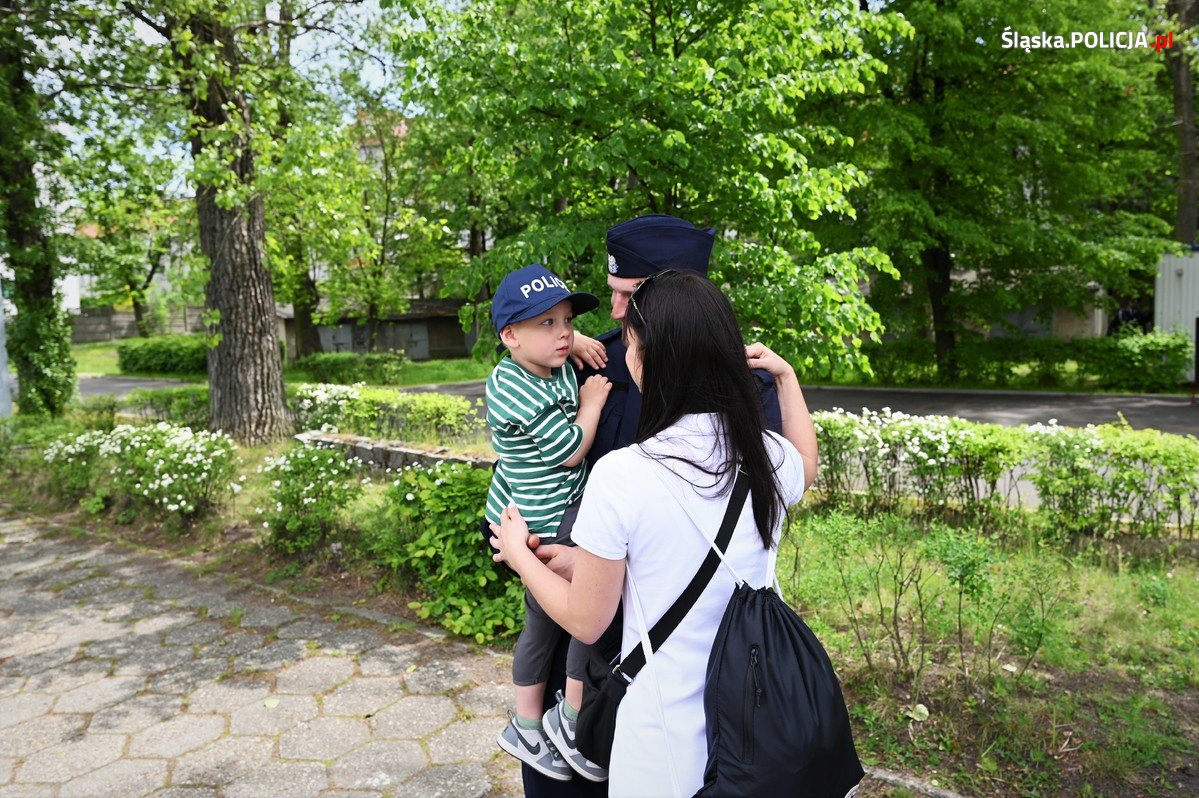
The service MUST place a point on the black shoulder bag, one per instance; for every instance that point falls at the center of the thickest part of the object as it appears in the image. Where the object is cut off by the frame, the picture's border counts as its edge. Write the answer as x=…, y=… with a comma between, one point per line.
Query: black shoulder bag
x=607, y=680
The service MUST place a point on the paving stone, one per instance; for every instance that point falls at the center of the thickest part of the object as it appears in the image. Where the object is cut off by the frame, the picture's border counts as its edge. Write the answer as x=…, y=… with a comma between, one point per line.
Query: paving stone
x=151, y=660
x=436, y=677
x=11, y=685
x=273, y=715
x=162, y=622
x=67, y=677
x=126, y=778
x=464, y=740
x=38, y=733
x=233, y=645
x=218, y=607
x=291, y=780
x=314, y=675
x=323, y=738
x=133, y=610
x=89, y=631
x=194, y=634
x=189, y=676
x=271, y=657
x=389, y=660
x=378, y=765
x=137, y=713
x=306, y=629
x=363, y=697
x=6, y=768
x=67, y=760
x=350, y=641
x=97, y=695
x=447, y=781
x=19, y=708
x=335, y=793
x=38, y=662
x=177, y=736
x=227, y=695
x=268, y=617
x=86, y=588
x=227, y=759
x=487, y=699
x=27, y=791
x=413, y=717
x=184, y=792
x=26, y=643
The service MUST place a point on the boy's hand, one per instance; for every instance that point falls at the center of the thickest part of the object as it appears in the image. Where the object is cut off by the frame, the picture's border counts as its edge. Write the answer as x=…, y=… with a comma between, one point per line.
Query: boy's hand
x=588, y=351
x=594, y=392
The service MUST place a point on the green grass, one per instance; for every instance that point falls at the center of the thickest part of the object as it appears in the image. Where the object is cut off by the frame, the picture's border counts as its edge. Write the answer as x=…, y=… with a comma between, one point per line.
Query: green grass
x=425, y=372
x=98, y=359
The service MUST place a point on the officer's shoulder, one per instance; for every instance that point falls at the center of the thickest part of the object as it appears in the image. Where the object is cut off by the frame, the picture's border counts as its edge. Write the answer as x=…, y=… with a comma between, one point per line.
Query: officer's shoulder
x=763, y=377
x=609, y=337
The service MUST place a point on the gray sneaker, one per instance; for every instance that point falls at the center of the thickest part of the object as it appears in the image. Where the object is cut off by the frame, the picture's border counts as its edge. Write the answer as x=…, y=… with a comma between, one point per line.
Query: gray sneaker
x=531, y=747
x=561, y=731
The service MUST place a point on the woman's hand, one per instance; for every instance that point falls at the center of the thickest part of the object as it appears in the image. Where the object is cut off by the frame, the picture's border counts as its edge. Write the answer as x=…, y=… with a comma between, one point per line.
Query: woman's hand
x=511, y=536
x=761, y=356
x=586, y=351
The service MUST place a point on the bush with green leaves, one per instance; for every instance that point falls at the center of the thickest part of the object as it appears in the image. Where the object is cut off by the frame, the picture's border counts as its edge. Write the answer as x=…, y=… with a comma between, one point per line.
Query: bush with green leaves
x=168, y=470
x=438, y=511
x=185, y=355
x=172, y=469
x=1129, y=361
x=312, y=485
x=186, y=405
x=346, y=368
x=1095, y=480
x=386, y=413
x=920, y=595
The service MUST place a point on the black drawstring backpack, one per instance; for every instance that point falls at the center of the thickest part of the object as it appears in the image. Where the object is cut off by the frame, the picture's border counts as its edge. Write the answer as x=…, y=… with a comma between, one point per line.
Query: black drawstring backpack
x=776, y=718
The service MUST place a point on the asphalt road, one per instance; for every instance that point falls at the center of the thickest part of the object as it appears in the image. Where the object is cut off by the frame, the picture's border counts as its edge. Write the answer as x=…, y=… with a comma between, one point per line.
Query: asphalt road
x=1169, y=413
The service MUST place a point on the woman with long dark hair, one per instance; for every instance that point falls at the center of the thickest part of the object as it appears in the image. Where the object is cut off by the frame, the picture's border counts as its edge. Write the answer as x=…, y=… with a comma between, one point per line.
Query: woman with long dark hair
x=650, y=509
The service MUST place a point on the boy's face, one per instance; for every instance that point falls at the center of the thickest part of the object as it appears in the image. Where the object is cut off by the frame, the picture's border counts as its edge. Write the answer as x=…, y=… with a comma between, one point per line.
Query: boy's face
x=542, y=342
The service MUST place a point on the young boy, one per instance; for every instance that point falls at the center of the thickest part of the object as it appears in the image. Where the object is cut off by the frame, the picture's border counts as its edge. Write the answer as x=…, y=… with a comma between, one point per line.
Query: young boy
x=542, y=425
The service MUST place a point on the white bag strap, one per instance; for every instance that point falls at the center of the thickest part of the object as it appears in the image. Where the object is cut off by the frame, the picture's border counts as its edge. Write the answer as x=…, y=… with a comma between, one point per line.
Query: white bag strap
x=772, y=552
x=672, y=489
x=647, y=648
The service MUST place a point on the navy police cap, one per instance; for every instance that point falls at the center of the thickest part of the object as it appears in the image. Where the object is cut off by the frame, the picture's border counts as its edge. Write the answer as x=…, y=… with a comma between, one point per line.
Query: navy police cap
x=531, y=291
x=649, y=244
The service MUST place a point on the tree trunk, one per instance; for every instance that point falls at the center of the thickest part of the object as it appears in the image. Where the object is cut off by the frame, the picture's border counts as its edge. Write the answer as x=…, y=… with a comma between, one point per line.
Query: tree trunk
x=245, y=374
x=39, y=339
x=139, y=317
x=1179, y=62
x=938, y=267
x=306, y=300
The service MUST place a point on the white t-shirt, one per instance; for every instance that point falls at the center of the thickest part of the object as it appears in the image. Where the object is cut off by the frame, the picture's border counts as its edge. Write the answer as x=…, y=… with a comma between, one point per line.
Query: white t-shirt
x=629, y=513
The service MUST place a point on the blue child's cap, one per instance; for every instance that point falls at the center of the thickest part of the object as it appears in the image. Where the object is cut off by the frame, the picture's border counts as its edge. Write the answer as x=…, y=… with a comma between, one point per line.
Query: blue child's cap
x=649, y=244
x=531, y=291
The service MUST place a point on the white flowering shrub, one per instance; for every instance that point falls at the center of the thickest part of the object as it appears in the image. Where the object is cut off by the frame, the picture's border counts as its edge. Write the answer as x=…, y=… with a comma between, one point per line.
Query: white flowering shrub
x=1097, y=480
x=386, y=413
x=323, y=406
x=164, y=468
x=72, y=462
x=882, y=459
x=311, y=487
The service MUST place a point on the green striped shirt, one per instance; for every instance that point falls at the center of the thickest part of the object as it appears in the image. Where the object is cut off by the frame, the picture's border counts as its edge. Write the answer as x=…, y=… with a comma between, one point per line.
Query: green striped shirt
x=534, y=434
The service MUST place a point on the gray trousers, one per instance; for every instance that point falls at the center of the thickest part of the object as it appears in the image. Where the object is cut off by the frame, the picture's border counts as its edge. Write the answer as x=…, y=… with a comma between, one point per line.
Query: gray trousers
x=536, y=645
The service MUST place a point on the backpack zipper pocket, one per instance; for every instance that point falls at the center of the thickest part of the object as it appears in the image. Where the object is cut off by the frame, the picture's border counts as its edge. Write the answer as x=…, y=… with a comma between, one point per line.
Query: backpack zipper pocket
x=753, y=699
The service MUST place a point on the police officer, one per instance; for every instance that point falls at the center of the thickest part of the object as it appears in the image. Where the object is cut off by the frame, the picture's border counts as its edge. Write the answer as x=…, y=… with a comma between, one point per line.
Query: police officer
x=637, y=250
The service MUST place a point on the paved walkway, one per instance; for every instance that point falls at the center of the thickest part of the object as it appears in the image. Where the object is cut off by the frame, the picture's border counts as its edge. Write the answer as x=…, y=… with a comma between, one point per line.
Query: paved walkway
x=126, y=674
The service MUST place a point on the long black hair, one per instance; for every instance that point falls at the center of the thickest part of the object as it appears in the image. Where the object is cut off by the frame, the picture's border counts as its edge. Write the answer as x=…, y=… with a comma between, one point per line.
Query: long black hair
x=693, y=361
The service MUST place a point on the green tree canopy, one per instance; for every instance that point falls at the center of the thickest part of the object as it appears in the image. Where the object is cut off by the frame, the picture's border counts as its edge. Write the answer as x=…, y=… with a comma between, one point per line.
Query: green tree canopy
x=561, y=119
